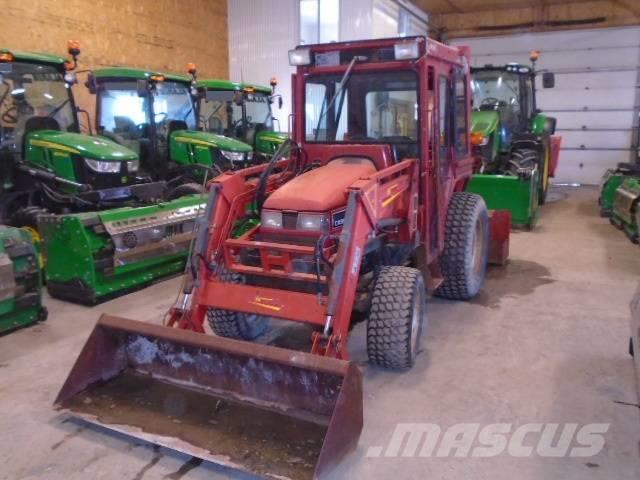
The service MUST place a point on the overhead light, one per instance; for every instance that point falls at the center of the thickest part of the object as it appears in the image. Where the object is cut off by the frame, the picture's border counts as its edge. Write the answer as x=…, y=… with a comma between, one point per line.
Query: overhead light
x=299, y=56
x=406, y=50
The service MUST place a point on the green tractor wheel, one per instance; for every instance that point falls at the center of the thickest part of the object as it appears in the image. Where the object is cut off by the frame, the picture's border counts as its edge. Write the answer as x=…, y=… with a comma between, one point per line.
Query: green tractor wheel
x=190, y=188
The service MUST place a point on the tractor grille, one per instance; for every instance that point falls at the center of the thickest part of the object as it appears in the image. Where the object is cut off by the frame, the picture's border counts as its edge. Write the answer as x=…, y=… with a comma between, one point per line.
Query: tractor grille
x=144, y=237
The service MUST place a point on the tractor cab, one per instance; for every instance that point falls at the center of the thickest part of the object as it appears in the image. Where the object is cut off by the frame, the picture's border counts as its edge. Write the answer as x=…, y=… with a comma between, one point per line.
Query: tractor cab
x=504, y=106
x=514, y=145
x=44, y=160
x=242, y=111
x=154, y=114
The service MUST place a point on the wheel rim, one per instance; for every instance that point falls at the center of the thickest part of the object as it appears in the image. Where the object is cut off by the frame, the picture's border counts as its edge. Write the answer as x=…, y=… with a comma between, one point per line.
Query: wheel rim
x=478, y=247
x=416, y=320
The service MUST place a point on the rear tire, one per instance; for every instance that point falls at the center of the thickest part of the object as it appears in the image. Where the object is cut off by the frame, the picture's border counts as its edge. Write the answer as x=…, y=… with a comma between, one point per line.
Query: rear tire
x=190, y=188
x=543, y=189
x=396, y=317
x=463, y=262
x=232, y=324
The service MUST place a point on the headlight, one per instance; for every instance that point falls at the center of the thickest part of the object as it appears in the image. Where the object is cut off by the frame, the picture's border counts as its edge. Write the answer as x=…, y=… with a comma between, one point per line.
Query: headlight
x=313, y=222
x=299, y=56
x=133, y=166
x=406, y=50
x=233, y=156
x=271, y=219
x=103, y=167
x=249, y=156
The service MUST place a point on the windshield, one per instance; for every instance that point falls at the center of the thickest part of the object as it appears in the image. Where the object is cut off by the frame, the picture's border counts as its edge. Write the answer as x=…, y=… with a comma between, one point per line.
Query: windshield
x=172, y=101
x=372, y=107
x=493, y=89
x=28, y=91
x=125, y=116
x=220, y=112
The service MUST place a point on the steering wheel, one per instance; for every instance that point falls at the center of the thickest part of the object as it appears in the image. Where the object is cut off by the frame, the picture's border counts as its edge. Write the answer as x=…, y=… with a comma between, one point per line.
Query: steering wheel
x=10, y=115
x=492, y=102
x=163, y=117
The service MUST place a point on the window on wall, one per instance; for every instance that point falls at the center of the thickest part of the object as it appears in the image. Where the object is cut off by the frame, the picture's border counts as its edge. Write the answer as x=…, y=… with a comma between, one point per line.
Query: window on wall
x=391, y=19
x=319, y=21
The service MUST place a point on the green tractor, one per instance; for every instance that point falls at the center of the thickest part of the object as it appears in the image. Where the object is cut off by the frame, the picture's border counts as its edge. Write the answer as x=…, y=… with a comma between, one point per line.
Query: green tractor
x=106, y=227
x=612, y=179
x=625, y=213
x=242, y=111
x=20, y=280
x=154, y=114
x=513, y=141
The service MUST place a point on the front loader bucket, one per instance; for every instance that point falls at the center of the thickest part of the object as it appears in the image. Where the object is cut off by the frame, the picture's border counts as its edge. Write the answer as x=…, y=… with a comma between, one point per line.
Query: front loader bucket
x=273, y=412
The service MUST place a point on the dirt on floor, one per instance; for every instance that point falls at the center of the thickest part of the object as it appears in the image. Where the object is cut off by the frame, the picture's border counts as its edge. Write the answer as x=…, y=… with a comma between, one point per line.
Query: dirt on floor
x=541, y=350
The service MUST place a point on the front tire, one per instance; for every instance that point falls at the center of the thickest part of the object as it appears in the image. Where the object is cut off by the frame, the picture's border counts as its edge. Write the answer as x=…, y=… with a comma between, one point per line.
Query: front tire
x=238, y=325
x=396, y=317
x=463, y=262
x=190, y=188
x=233, y=324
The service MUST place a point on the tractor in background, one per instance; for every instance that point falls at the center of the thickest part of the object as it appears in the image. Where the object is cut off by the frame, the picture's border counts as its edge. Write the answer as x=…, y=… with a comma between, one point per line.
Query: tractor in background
x=154, y=114
x=361, y=214
x=239, y=110
x=513, y=140
x=625, y=214
x=106, y=227
x=20, y=280
x=612, y=179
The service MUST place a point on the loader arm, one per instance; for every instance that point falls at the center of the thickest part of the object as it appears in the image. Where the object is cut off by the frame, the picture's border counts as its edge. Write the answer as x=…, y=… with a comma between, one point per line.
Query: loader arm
x=388, y=196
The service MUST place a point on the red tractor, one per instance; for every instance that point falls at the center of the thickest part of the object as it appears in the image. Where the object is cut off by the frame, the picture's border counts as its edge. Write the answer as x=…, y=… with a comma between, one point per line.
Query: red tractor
x=362, y=211
x=355, y=217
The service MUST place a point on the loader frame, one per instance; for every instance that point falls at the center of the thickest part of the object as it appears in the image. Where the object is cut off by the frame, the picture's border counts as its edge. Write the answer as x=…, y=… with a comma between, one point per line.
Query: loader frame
x=387, y=207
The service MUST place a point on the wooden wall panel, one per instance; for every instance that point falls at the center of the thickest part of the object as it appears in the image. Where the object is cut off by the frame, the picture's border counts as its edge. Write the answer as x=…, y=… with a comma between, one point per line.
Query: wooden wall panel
x=154, y=34
x=542, y=17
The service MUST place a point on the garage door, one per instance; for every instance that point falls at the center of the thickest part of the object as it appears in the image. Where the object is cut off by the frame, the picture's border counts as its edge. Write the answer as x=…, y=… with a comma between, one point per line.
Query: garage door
x=596, y=97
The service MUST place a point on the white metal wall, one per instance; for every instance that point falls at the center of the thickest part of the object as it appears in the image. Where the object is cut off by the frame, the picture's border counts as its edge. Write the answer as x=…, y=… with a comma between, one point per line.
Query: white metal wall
x=261, y=32
x=595, y=97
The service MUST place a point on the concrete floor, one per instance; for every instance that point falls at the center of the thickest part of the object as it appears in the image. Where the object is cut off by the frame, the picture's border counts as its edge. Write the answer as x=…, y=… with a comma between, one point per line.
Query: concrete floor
x=545, y=341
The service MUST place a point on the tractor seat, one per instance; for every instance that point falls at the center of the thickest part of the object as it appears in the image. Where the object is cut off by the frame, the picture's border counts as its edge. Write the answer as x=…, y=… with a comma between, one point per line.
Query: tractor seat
x=175, y=125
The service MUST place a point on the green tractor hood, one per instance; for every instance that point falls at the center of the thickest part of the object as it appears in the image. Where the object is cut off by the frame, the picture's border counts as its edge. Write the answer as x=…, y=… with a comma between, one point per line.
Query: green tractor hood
x=97, y=148
x=268, y=141
x=207, y=139
x=484, y=122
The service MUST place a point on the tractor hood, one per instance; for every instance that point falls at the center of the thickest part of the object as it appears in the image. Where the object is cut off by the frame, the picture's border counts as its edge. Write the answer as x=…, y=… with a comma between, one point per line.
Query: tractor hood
x=322, y=189
x=210, y=140
x=484, y=122
x=98, y=148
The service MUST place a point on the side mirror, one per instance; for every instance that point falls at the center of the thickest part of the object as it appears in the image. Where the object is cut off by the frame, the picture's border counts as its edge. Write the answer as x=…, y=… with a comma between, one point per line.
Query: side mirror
x=202, y=92
x=548, y=80
x=280, y=103
x=142, y=86
x=550, y=125
x=91, y=83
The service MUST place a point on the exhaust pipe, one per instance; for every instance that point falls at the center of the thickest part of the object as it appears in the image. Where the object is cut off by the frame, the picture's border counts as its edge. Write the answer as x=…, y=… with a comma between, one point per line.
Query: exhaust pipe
x=272, y=412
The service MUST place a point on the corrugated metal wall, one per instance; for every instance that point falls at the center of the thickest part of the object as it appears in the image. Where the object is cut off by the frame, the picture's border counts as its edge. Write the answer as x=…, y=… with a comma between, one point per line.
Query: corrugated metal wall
x=596, y=97
x=262, y=31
